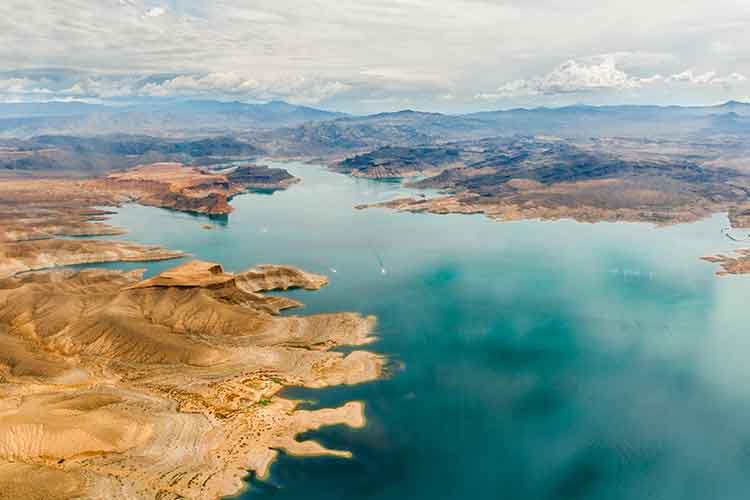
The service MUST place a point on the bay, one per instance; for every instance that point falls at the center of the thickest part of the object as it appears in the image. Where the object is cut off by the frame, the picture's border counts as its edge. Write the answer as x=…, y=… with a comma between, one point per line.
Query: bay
x=528, y=360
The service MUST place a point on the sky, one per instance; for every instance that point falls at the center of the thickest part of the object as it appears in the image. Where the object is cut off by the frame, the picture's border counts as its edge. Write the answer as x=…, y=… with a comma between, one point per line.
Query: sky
x=378, y=55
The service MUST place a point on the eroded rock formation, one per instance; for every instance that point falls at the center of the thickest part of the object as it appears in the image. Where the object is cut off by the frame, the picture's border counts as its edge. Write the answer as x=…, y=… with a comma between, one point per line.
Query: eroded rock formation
x=43, y=208
x=737, y=262
x=116, y=387
x=35, y=212
x=18, y=257
x=541, y=177
x=191, y=189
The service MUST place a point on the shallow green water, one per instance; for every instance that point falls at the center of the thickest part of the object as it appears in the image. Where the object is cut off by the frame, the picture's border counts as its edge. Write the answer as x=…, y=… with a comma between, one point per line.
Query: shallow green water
x=532, y=360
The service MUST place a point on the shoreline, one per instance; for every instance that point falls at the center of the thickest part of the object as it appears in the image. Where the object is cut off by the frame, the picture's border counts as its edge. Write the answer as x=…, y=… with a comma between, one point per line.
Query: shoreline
x=316, y=365
x=275, y=421
x=211, y=396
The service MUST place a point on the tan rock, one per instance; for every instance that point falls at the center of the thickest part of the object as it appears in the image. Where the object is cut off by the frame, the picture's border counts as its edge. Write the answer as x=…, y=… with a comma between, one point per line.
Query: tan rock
x=116, y=387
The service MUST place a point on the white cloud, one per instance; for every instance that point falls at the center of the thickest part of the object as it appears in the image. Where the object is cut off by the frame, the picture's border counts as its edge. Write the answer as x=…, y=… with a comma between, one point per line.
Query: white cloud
x=599, y=74
x=22, y=86
x=419, y=49
x=708, y=78
x=690, y=76
x=104, y=88
x=214, y=82
x=156, y=11
x=732, y=79
x=297, y=89
x=304, y=90
x=226, y=85
x=570, y=77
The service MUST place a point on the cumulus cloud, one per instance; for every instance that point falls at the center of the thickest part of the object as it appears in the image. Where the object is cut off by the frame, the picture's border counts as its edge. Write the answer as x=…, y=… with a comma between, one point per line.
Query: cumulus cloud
x=156, y=11
x=708, y=78
x=104, y=88
x=570, y=77
x=304, y=90
x=226, y=85
x=601, y=75
x=191, y=84
x=598, y=74
x=388, y=48
x=297, y=89
x=22, y=86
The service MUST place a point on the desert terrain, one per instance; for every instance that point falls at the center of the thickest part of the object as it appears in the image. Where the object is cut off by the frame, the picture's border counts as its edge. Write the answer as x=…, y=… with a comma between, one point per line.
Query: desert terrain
x=121, y=387
x=115, y=386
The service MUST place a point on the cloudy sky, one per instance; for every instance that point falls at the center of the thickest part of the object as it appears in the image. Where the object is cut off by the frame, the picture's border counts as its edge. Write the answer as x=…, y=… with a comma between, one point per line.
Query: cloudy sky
x=376, y=55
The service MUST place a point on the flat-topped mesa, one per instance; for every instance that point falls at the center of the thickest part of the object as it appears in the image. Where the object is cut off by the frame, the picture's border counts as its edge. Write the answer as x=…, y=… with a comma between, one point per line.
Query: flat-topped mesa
x=264, y=277
x=120, y=387
x=196, y=273
x=268, y=277
x=242, y=287
x=262, y=177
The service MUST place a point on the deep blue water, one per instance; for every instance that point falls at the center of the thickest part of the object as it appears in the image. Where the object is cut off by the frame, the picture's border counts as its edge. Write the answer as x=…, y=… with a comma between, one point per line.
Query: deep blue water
x=530, y=360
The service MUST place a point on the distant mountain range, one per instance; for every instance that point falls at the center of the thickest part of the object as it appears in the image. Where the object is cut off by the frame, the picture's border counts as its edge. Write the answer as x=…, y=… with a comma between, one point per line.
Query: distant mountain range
x=412, y=128
x=184, y=117
x=96, y=154
x=283, y=128
x=583, y=121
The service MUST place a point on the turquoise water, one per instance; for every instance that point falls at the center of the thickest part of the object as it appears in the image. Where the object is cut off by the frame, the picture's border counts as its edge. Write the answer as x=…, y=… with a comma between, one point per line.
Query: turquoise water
x=530, y=360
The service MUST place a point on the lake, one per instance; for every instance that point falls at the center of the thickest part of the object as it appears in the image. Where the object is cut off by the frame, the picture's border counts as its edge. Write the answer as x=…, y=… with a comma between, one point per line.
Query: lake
x=528, y=360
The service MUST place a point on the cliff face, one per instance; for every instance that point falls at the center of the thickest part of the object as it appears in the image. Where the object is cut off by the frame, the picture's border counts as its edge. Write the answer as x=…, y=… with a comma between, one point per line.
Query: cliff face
x=42, y=208
x=117, y=387
x=261, y=177
x=190, y=189
x=399, y=162
x=25, y=256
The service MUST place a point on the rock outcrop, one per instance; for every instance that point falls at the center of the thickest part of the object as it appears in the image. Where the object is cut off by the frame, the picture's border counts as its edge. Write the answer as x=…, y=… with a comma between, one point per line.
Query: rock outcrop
x=613, y=179
x=191, y=189
x=116, y=387
x=737, y=262
x=18, y=257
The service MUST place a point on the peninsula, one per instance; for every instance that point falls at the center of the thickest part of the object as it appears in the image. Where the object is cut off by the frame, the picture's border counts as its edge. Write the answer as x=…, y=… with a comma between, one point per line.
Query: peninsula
x=115, y=386
x=112, y=386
